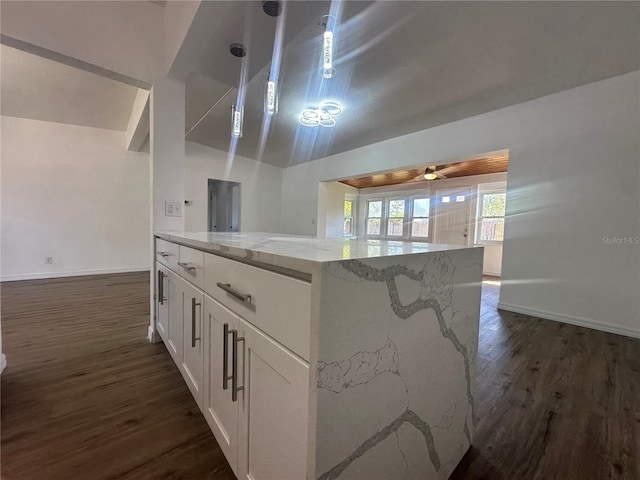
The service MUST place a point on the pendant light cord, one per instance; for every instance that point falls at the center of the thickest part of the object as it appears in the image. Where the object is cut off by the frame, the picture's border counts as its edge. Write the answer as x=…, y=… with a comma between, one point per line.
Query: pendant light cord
x=208, y=112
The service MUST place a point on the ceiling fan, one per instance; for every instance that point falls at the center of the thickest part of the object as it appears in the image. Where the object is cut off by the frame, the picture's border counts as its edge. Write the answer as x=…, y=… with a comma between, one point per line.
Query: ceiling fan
x=430, y=173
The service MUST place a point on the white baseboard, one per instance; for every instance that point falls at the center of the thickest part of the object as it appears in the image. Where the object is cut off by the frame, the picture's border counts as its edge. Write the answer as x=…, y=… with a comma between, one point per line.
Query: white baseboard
x=578, y=321
x=3, y=362
x=152, y=335
x=74, y=273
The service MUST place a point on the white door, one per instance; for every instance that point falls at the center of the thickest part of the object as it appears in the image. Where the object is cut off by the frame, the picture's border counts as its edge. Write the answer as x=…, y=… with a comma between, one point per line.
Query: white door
x=452, y=216
x=219, y=409
x=192, y=356
x=162, y=301
x=273, y=410
x=176, y=312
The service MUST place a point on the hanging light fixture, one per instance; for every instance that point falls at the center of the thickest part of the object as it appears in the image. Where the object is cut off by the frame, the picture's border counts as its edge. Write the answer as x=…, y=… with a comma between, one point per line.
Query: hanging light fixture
x=430, y=173
x=328, y=47
x=237, y=118
x=237, y=110
x=327, y=55
x=274, y=9
x=323, y=116
x=271, y=97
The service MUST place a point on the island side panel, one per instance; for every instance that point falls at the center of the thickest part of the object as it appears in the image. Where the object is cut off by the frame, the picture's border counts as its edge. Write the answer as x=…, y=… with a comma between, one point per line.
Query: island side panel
x=395, y=365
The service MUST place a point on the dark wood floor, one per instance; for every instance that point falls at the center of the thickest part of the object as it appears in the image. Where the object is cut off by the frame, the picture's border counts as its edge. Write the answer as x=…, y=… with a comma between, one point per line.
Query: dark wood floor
x=86, y=397
x=554, y=401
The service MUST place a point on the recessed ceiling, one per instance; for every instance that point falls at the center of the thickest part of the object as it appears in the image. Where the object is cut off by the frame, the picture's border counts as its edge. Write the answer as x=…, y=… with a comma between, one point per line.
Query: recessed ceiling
x=402, y=67
x=481, y=166
x=40, y=89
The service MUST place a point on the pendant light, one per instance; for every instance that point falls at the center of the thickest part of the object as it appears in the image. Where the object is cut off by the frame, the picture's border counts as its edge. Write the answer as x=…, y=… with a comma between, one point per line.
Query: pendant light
x=271, y=97
x=237, y=111
x=430, y=173
x=272, y=90
x=328, y=46
x=237, y=119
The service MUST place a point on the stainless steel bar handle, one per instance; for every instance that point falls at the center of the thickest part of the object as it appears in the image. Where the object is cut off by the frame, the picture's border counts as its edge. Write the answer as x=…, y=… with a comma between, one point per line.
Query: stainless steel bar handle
x=164, y=254
x=225, y=356
x=194, y=304
x=234, y=366
x=187, y=266
x=161, y=287
x=243, y=297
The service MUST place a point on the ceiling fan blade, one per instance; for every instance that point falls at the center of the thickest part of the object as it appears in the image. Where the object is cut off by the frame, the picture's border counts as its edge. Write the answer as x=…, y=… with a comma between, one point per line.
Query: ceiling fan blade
x=449, y=169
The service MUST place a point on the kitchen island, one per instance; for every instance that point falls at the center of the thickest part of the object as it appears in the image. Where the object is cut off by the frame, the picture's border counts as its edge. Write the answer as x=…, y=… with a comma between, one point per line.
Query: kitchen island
x=325, y=358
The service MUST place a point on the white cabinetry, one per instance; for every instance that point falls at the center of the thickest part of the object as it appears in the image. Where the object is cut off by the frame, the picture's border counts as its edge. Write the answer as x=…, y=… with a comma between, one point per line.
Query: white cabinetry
x=176, y=310
x=313, y=371
x=191, y=265
x=192, y=356
x=273, y=410
x=276, y=304
x=220, y=410
x=167, y=253
x=262, y=428
x=252, y=390
x=162, y=301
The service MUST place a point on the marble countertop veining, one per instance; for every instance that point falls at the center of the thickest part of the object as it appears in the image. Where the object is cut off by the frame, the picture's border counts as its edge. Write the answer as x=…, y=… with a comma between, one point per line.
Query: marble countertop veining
x=296, y=252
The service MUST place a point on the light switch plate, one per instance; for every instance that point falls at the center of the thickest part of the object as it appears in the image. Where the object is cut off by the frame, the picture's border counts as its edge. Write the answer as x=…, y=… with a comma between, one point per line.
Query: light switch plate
x=173, y=209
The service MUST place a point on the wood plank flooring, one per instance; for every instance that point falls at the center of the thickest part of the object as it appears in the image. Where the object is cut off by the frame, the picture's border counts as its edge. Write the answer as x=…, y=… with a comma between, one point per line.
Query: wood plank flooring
x=86, y=397
x=554, y=401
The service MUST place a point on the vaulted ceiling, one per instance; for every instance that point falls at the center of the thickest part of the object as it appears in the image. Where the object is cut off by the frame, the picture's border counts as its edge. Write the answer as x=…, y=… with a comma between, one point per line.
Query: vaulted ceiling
x=40, y=89
x=400, y=67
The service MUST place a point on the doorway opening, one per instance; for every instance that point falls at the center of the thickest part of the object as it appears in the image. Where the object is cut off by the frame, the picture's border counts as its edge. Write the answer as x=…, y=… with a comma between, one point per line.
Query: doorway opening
x=464, y=205
x=223, y=206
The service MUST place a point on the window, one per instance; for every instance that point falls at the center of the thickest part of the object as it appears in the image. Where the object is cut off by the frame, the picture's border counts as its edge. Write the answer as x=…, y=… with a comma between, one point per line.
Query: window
x=374, y=217
x=405, y=218
x=348, y=218
x=420, y=218
x=491, y=208
x=395, y=222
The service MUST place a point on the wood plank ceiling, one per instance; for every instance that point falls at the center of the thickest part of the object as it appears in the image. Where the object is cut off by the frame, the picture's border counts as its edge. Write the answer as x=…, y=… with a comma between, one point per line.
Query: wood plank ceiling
x=481, y=166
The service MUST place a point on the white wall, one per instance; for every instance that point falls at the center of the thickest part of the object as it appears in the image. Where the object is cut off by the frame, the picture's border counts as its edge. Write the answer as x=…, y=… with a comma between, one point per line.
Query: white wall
x=72, y=193
x=573, y=179
x=330, y=214
x=167, y=147
x=259, y=191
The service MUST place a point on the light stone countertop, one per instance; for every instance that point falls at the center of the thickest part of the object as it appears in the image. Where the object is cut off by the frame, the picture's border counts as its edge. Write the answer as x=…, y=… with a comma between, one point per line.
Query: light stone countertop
x=297, y=253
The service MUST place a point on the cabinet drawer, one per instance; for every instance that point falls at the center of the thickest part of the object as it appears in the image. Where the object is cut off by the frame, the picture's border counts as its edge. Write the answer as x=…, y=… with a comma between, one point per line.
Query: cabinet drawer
x=191, y=265
x=167, y=253
x=278, y=305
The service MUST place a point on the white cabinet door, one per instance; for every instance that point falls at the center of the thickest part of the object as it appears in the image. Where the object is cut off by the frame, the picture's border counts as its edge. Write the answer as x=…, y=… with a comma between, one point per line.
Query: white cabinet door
x=220, y=410
x=162, y=301
x=176, y=312
x=273, y=410
x=192, y=356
